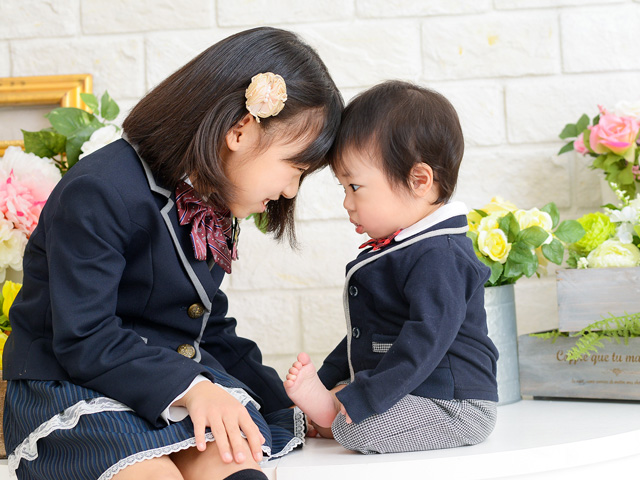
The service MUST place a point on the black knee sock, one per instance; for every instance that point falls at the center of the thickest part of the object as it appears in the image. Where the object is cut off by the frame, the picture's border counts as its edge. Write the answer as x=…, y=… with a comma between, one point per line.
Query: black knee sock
x=248, y=474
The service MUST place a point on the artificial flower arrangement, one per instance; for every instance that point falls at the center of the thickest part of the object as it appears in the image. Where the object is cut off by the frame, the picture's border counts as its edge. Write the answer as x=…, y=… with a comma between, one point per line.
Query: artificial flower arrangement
x=74, y=132
x=28, y=177
x=611, y=139
x=611, y=240
x=515, y=242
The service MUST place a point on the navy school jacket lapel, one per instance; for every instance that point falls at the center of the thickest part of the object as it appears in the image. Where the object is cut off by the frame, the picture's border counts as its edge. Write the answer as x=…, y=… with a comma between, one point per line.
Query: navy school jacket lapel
x=198, y=271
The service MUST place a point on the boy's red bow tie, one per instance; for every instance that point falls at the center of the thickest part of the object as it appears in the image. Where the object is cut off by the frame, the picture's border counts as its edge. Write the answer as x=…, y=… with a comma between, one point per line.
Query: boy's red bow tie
x=378, y=243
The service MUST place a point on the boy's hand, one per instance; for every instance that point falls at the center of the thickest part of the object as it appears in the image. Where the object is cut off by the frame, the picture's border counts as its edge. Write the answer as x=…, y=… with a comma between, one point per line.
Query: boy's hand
x=211, y=406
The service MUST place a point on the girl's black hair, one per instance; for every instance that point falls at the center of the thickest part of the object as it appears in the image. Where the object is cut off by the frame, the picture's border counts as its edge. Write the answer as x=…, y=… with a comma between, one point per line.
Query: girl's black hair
x=402, y=124
x=179, y=127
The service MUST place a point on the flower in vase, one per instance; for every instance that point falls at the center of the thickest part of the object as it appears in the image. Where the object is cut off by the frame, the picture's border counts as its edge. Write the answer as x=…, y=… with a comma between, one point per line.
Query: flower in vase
x=494, y=244
x=614, y=253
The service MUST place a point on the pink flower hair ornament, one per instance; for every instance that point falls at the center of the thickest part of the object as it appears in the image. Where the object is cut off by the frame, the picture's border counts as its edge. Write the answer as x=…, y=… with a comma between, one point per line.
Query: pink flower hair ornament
x=266, y=95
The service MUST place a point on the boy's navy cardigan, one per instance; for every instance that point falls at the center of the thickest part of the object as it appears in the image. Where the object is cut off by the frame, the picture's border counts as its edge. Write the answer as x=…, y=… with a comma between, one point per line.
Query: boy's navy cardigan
x=416, y=324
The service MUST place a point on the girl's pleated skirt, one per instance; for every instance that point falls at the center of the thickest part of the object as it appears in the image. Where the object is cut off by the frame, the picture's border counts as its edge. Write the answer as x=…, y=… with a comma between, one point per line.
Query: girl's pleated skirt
x=56, y=430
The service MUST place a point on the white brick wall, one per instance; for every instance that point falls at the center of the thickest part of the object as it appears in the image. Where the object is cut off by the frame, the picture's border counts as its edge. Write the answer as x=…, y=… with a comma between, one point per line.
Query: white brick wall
x=516, y=71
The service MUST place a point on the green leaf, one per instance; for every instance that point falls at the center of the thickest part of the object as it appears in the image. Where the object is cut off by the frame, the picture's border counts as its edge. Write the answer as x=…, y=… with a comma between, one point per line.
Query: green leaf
x=554, y=251
x=583, y=123
x=109, y=109
x=532, y=236
x=599, y=161
x=496, y=269
x=509, y=225
x=91, y=101
x=553, y=212
x=75, y=141
x=261, y=221
x=626, y=177
x=567, y=148
x=482, y=213
x=68, y=120
x=522, y=253
x=570, y=231
x=513, y=271
x=569, y=131
x=44, y=143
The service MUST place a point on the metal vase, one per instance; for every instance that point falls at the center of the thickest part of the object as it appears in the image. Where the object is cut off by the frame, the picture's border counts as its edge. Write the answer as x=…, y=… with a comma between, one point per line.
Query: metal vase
x=500, y=305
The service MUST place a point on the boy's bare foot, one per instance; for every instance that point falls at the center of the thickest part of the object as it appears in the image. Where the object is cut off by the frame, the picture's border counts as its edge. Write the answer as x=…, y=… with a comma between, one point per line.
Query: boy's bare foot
x=307, y=391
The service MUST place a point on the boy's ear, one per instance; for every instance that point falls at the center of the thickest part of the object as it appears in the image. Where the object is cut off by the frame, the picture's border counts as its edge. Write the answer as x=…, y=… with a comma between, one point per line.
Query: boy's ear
x=421, y=179
x=239, y=133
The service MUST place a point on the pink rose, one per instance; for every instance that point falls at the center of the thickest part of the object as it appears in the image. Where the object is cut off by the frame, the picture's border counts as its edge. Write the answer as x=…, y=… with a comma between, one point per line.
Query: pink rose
x=578, y=145
x=614, y=134
x=18, y=205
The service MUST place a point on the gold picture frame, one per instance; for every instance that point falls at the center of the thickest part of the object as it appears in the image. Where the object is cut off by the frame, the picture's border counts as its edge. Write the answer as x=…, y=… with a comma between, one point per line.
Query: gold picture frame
x=64, y=90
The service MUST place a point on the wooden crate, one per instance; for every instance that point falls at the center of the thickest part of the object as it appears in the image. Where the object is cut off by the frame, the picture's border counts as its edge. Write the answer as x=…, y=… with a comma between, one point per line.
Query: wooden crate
x=612, y=373
x=586, y=296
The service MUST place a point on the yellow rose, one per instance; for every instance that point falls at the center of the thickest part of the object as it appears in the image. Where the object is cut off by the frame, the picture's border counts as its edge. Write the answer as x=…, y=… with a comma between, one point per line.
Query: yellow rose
x=9, y=291
x=266, y=95
x=499, y=205
x=535, y=218
x=3, y=339
x=497, y=208
x=493, y=243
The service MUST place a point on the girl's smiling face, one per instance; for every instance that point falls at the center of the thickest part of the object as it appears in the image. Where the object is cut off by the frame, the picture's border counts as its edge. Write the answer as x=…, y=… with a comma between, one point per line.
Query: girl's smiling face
x=260, y=175
x=375, y=205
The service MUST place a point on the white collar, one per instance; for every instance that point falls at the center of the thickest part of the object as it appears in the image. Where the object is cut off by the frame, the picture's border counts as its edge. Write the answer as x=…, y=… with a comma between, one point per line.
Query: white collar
x=443, y=213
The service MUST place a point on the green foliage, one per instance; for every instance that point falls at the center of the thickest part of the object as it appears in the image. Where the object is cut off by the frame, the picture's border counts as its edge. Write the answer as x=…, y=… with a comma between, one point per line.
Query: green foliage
x=70, y=129
x=591, y=338
x=612, y=328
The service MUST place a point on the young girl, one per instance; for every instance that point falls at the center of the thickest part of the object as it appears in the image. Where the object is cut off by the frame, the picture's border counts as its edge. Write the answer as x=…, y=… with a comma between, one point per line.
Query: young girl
x=420, y=368
x=121, y=363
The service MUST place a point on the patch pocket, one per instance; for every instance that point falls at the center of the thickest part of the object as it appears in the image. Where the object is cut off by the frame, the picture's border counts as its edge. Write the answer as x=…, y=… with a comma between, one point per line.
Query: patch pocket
x=381, y=343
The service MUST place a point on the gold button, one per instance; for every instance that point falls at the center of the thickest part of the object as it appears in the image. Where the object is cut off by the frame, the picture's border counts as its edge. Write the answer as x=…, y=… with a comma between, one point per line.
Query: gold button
x=187, y=350
x=196, y=310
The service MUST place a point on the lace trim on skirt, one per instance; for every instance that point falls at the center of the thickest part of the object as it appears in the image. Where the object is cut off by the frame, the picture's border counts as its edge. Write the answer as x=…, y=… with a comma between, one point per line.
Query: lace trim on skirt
x=66, y=420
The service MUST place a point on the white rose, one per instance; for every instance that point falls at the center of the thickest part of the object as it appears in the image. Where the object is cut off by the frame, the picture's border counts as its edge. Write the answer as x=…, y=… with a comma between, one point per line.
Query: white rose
x=627, y=109
x=614, y=253
x=12, y=243
x=101, y=137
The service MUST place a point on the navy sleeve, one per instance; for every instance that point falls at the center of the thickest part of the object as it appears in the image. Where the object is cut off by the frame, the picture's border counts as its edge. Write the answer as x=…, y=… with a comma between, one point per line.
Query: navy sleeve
x=335, y=367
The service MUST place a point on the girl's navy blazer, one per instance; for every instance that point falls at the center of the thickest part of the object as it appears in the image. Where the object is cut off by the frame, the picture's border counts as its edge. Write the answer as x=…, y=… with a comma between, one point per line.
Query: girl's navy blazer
x=416, y=324
x=109, y=279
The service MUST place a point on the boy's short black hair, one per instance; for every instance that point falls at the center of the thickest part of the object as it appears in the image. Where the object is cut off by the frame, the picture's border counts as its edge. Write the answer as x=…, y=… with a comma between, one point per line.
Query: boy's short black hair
x=402, y=124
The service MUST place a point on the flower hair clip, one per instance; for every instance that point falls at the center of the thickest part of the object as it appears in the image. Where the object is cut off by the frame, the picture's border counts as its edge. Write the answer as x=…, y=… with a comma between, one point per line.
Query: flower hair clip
x=266, y=95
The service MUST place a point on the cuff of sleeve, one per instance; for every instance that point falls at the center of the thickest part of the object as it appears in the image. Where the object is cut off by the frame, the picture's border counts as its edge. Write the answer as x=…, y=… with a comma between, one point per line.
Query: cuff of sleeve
x=176, y=414
x=355, y=402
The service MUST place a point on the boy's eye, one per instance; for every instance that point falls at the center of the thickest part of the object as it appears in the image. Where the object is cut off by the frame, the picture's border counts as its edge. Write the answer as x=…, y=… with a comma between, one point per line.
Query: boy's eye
x=354, y=187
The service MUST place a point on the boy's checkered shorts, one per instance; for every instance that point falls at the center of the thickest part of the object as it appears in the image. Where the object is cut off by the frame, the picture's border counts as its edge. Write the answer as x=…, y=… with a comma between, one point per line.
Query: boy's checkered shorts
x=417, y=423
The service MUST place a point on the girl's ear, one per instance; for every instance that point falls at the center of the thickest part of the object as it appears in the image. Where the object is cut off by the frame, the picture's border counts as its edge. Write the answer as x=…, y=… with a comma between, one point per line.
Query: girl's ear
x=238, y=135
x=421, y=179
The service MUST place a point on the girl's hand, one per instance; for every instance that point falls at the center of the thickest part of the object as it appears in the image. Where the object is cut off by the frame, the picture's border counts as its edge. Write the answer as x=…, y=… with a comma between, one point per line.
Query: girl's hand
x=211, y=406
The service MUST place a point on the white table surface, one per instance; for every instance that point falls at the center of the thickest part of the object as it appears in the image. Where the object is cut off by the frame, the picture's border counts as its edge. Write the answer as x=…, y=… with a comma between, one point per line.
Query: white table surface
x=533, y=439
